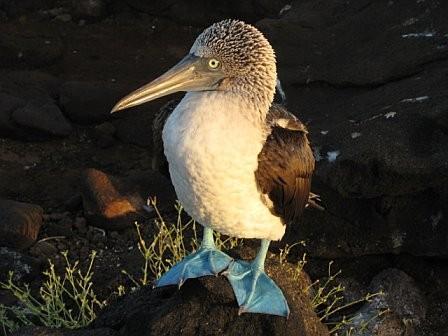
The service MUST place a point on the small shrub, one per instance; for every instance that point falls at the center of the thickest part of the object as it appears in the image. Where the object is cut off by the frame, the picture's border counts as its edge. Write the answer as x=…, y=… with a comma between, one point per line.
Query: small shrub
x=169, y=245
x=328, y=302
x=66, y=301
x=327, y=299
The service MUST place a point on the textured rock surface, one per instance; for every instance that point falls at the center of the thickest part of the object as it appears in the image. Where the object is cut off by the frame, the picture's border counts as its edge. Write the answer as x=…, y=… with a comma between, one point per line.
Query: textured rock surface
x=90, y=9
x=27, y=108
x=24, y=267
x=104, y=205
x=28, y=49
x=357, y=43
x=8, y=105
x=204, y=12
x=368, y=78
x=19, y=223
x=16, y=8
x=403, y=301
x=116, y=203
x=376, y=106
x=46, y=118
x=87, y=103
x=207, y=306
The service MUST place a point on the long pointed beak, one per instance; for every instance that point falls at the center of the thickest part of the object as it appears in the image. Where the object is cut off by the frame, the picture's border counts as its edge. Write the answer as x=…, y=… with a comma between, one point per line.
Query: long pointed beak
x=190, y=74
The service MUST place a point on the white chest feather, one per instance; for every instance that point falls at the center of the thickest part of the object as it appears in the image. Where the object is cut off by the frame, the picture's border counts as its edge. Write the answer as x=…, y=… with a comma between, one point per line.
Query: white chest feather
x=212, y=151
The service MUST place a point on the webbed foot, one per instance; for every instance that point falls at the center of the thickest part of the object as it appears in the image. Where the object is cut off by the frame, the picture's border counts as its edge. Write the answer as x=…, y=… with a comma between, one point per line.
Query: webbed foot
x=205, y=261
x=254, y=290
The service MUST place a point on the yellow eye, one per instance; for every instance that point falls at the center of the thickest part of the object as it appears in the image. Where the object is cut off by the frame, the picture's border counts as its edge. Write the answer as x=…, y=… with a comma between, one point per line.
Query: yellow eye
x=213, y=63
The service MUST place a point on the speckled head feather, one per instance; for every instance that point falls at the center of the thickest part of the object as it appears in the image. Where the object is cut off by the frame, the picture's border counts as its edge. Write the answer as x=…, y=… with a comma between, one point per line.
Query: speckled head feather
x=247, y=58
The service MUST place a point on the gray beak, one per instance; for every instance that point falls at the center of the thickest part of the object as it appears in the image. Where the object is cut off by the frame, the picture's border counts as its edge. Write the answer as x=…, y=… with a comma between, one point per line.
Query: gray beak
x=190, y=74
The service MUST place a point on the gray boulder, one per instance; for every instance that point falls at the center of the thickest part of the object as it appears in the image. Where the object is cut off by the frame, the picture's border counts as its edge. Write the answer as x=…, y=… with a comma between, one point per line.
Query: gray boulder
x=397, y=312
x=88, y=102
x=46, y=118
x=27, y=106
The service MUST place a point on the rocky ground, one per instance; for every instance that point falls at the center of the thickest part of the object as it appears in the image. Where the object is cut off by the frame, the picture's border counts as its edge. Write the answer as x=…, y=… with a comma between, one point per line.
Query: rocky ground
x=369, y=79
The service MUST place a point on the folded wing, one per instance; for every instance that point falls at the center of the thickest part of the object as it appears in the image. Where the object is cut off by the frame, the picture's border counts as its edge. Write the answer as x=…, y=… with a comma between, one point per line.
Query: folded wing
x=285, y=166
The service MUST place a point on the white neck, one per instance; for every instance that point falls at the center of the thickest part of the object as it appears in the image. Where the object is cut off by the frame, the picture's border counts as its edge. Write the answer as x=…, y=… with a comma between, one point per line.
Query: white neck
x=216, y=107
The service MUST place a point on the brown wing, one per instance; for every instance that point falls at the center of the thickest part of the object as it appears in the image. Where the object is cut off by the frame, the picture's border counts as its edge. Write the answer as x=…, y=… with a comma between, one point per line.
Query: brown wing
x=285, y=166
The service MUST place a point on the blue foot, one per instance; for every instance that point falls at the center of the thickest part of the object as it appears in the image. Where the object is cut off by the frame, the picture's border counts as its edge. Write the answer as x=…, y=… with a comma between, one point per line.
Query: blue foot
x=254, y=290
x=205, y=261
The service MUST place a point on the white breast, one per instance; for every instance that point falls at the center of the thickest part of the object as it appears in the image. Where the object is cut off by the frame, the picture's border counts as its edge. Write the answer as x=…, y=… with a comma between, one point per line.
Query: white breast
x=212, y=151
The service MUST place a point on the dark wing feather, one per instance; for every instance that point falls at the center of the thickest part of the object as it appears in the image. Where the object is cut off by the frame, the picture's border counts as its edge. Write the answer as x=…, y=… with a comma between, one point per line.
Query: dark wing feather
x=285, y=165
x=159, y=162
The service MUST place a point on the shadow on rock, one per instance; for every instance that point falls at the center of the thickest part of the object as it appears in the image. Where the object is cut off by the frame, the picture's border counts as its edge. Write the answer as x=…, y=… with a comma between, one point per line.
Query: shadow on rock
x=204, y=306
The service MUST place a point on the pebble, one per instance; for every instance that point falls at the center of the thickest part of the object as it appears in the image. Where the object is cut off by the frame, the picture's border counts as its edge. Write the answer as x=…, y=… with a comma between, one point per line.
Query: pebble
x=43, y=250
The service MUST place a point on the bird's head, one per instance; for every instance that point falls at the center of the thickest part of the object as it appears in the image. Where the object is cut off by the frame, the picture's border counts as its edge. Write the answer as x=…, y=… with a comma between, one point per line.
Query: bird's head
x=229, y=56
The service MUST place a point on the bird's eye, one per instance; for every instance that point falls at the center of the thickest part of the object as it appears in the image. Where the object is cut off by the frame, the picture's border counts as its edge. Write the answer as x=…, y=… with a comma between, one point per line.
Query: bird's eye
x=213, y=63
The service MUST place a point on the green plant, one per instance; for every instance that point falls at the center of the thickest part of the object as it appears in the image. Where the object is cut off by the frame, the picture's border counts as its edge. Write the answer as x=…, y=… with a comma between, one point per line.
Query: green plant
x=169, y=246
x=327, y=299
x=66, y=301
x=283, y=258
x=328, y=302
x=7, y=324
x=357, y=325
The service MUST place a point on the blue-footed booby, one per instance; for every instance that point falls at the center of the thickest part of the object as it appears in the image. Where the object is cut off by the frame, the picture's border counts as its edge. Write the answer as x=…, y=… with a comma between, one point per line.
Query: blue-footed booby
x=239, y=164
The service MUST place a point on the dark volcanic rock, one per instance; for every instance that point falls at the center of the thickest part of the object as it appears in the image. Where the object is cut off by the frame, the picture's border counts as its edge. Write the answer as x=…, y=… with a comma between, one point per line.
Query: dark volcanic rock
x=42, y=331
x=16, y=8
x=204, y=306
x=357, y=43
x=104, y=134
x=151, y=184
x=391, y=139
x=31, y=86
x=25, y=268
x=43, y=250
x=401, y=295
x=403, y=300
x=8, y=104
x=105, y=206
x=378, y=127
x=89, y=9
x=88, y=103
x=114, y=203
x=26, y=103
x=28, y=49
x=204, y=12
x=135, y=125
x=46, y=118
x=19, y=223
x=390, y=167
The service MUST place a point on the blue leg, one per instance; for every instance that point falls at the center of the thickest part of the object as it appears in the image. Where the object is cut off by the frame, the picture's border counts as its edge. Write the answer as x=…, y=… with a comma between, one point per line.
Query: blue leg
x=207, y=260
x=254, y=290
